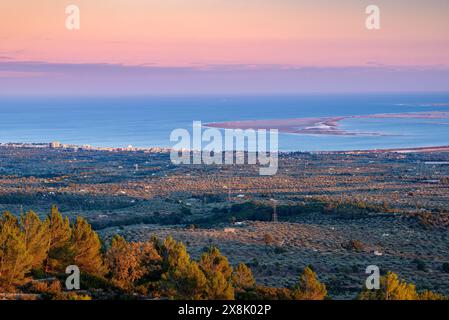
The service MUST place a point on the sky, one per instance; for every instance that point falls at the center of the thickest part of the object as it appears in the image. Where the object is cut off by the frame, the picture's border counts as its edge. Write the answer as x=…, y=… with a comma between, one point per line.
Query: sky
x=223, y=46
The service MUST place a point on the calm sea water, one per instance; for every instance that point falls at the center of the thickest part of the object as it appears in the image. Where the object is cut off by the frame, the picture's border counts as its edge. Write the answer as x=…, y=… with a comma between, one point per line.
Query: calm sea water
x=148, y=121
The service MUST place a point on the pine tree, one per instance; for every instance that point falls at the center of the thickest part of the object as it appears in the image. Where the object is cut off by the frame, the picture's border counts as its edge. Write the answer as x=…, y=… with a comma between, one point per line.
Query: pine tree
x=124, y=263
x=87, y=248
x=396, y=289
x=15, y=262
x=218, y=273
x=60, y=251
x=182, y=278
x=36, y=237
x=429, y=295
x=172, y=253
x=309, y=288
x=149, y=258
x=391, y=288
x=242, y=278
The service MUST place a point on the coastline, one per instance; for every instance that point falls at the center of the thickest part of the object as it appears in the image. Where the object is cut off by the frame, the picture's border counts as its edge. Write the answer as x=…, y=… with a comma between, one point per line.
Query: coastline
x=72, y=147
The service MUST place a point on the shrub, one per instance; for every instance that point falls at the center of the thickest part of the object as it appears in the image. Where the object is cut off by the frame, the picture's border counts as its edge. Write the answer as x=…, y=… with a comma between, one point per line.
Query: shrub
x=446, y=267
x=355, y=245
x=268, y=239
x=420, y=265
x=279, y=250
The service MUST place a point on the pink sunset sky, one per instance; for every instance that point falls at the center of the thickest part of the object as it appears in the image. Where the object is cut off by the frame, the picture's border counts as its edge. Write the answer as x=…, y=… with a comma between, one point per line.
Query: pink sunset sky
x=163, y=46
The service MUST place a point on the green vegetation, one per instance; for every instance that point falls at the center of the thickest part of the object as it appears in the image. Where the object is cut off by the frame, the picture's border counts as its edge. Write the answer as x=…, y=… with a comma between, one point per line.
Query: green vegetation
x=308, y=287
x=355, y=245
x=261, y=211
x=393, y=288
x=445, y=267
x=34, y=254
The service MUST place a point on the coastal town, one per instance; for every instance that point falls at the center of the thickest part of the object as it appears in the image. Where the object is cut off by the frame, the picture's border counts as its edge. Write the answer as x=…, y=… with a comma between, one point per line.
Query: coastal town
x=74, y=147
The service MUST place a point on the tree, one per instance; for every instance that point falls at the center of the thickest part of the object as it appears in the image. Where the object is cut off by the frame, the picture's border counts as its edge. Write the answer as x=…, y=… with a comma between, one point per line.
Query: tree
x=60, y=251
x=218, y=273
x=182, y=278
x=124, y=263
x=309, y=288
x=429, y=295
x=396, y=289
x=87, y=248
x=132, y=263
x=393, y=288
x=15, y=262
x=242, y=278
x=36, y=237
x=149, y=258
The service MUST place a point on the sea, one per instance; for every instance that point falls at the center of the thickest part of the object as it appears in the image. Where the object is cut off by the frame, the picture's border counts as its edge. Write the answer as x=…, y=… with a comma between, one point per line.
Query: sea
x=147, y=121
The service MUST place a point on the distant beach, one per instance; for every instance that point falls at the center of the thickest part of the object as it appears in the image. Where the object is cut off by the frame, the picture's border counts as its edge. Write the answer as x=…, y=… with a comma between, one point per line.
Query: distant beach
x=324, y=126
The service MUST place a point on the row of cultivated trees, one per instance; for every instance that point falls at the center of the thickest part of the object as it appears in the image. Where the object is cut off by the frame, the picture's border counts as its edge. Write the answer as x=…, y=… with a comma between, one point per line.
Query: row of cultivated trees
x=32, y=249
